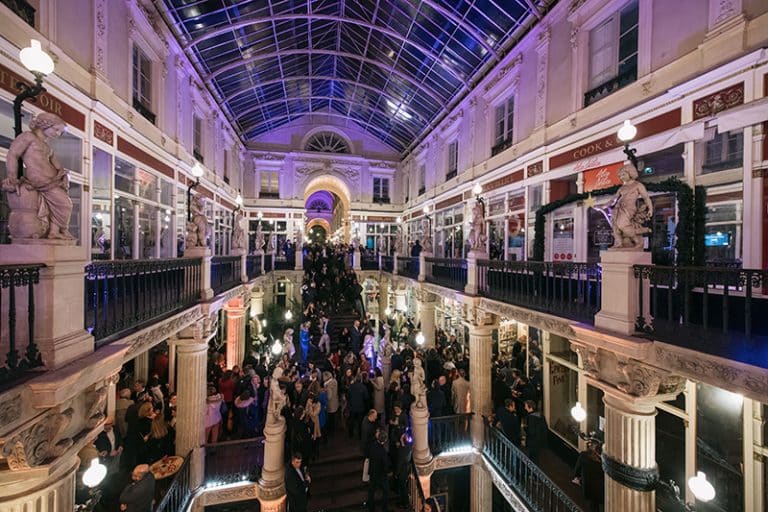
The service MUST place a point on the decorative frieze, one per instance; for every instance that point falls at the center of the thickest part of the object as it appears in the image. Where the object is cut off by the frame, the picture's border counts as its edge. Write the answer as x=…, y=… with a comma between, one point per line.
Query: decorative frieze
x=718, y=101
x=40, y=442
x=151, y=336
x=549, y=323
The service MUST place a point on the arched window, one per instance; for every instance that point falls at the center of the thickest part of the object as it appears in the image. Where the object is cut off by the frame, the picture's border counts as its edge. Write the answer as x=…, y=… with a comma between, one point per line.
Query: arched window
x=327, y=142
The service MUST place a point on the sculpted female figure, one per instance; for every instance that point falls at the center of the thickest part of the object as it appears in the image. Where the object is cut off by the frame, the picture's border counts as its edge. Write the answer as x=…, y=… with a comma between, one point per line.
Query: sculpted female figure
x=627, y=218
x=44, y=184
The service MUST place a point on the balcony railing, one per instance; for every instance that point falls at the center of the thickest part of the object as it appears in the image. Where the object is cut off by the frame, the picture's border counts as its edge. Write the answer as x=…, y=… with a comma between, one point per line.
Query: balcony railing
x=144, y=110
x=253, y=266
x=386, y=263
x=126, y=295
x=408, y=266
x=179, y=492
x=528, y=481
x=225, y=273
x=22, y=9
x=285, y=263
x=448, y=272
x=234, y=461
x=447, y=433
x=17, y=320
x=369, y=262
x=268, y=263
x=570, y=290
x=416, y=497
x=609, y=87
x=721, y=311
x=501, y=146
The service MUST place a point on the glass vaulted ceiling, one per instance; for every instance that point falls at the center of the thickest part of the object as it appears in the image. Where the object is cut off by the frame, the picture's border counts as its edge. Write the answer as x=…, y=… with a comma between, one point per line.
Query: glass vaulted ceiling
x=393, y=67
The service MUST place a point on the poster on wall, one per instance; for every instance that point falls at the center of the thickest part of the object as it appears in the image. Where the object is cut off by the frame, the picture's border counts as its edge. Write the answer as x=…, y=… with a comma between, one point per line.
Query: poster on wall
x=562, y=240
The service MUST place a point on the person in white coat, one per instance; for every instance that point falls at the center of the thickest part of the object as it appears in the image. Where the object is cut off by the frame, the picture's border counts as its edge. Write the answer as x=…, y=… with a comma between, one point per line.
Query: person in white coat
x=332, y=392
x=460, y=393
x=378, y=393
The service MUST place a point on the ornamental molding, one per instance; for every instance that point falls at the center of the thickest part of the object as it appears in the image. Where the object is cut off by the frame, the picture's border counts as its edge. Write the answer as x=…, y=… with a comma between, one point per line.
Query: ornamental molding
x=268, y=156
x=455, y=460
x=508, y=69
x=270, y=491
x=718, y=101
x=425, y=468
x=243, y=492
x=146, y=339
x=39, y=443
x=500, y=481
x=541, y=320
x=10, y=411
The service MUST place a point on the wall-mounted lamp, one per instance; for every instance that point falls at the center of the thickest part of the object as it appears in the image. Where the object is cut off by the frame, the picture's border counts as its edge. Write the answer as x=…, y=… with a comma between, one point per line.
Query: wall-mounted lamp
x=197, y=173
x=626, y=134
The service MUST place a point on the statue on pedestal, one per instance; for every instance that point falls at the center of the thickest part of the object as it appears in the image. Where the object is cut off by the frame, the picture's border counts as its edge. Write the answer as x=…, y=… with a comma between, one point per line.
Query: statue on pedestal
x=628, y=219
x=477, y=236
x=426, y=230
x=277, y=398
x=398, y=245
x=238, y=233
x=39, y=198
x=272, y=244
x=418, y=387
x=198, y=230
x=259, y=239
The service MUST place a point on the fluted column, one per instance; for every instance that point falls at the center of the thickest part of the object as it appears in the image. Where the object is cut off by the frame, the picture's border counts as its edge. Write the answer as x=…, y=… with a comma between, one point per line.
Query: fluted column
x=257, y=301
x=480, y=344
x=272, y=481
x=481, y=489
x=56, y=496
x=191, y=393
x=629, y=455
x=427, y=319
x=141, y=366
x=235, y=335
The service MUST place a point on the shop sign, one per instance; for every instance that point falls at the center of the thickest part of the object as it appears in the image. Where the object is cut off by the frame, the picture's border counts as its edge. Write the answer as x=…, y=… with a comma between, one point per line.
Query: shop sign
x=505, y=180
x=103, y=133
x=535, y=169
x=718, y=101
x=142, y=156
x=602, y=177
x=46, y=101
x=448, y=202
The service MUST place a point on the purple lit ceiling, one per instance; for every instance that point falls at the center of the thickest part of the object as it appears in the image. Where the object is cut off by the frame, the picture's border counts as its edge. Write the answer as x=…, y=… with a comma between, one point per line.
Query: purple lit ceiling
x=394, y=67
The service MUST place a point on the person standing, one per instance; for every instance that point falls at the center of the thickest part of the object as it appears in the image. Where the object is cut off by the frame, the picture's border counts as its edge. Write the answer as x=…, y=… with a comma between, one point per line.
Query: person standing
x=378, y=469
x=535, y=431
x=509, y=422
x=297, y=482
x=460, y=394
x=139, y=494
x=355, y=338
x=357, y=397
x=332, y=390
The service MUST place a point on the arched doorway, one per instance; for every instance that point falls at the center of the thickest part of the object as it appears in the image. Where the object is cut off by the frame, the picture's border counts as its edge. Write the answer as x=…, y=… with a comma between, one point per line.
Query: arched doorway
x=326, y=208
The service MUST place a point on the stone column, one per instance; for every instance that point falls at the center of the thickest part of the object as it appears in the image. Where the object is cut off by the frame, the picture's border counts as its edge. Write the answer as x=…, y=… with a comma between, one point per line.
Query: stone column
x=394, y=264
x=480, y=345
x=257, y=301
x=56, y=496
x=629, y=454
x=427, y=319
x=171, y=366
x=235, y=334
x=141, y=366
x=480, y=489
x=356, y=259
x=423, y=265
x=272, y=481
x=191, y=392
x=206, y=292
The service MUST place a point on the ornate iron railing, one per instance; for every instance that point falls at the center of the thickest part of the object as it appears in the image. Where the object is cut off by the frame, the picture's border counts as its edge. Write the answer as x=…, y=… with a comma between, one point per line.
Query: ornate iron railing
x=126, y=295
x=721, y=311
x=416, y=497
x=570, y=290
x=285, y=263
x=369, y=262
x=17, y=320
x=225, y=273
x=23, y=10
x=448, y=433
x=234, y=461
x=448, y=272
x=528, y=481
x=268, y=263
x=386, y=263
x=253, y=266
x=408, y=266
x=609, y=87
x=179, y=492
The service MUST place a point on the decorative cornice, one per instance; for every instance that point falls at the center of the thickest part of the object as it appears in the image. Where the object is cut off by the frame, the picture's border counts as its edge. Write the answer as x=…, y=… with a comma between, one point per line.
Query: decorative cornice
x=504, y=71
x=229, y=494
x=10, y=411
x=549, y=323
x=149, y=337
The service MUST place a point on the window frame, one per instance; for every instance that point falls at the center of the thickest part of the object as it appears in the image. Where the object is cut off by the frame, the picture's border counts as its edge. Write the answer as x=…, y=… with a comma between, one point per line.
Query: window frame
x=452, y=159
x=379, y=196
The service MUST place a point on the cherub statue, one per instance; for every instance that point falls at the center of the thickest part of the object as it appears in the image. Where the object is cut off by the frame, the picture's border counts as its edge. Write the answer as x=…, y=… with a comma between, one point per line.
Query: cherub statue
x=426, y=230
x=398, y=245
x=382, y=245
x=39, y=198
x=259, y=239
x=238, y=233
x=627, y=218
x=277, y=398
x=418, y=387
x=272, y=243
x=198, y=230
x=477, y=237
x=288, y=346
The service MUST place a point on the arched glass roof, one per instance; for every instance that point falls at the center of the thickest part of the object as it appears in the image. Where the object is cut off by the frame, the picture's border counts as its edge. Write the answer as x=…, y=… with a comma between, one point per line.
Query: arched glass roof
x=393, y=67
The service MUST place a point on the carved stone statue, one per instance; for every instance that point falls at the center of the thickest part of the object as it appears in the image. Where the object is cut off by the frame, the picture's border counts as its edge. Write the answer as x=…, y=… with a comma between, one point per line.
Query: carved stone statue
x=39, y=200
x=355, y=242
x=277, y=398
x=238, y=233
x=418, y=387
x=628, y=219
x=398, y=245
x=477, y=236
x=272, y=244
x=426, y=242
x=198, y=230
x=259, y=240
x=288, y=346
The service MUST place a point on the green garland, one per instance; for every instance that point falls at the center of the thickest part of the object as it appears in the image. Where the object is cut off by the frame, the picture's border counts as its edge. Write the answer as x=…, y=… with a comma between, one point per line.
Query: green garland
x=690, y=227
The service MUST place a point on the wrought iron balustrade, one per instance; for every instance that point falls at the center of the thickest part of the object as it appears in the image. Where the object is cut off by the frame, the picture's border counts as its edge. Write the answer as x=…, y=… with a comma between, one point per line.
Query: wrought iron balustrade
x=609, y=87
x=416, y=497
x=225, y=273
x=268, y=263
x=408, y=266
x=22, y=9
x=387, y=263
x=368, y=262
x=253, y=266
x=721, y=311
x=126, y=295
x=528, y=481
x=570, y=290
x=179, y=493
x=234, y=461
x=285, y=263
x=17, y=320
x=448, y=272
x=447, y=433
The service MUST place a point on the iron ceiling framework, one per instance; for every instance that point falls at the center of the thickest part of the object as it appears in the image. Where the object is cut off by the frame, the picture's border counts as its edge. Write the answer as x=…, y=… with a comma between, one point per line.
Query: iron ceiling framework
x=393, y=67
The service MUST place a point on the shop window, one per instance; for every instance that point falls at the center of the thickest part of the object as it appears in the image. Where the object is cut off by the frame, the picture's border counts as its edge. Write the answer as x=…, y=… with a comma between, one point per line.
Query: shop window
x=663, y=228
x=453, y=160
x=563, y=386
x=722, y=239
x=670, y=452
x=659, y=166
x=124, y=221
x=167, y=239
x=147, y=229
x=101, y=209
x=503, y=125
x=723, y=151
x=69, y=152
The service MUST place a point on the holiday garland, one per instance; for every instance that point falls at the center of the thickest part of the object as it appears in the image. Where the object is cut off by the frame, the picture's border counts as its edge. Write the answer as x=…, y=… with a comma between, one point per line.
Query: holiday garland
x=691, y=206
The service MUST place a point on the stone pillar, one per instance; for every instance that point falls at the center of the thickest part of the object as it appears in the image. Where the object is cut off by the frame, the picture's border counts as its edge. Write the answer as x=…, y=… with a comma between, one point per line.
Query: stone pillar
x=171, y=366
x=427, y=319
x=419, y=426
x=235, y=334
x=472, y=272
x=272, y=481
x=394, y=264
x=480, y=345
x=423, y=265
x=141, y=366
x=191, y=392
x=356, y=259
x=400, y=300
x=480, y=489
x=56, y=496
x=257, y=301
x=619, y=303
x=629, y=454
x=206, y=292
x=243, y=265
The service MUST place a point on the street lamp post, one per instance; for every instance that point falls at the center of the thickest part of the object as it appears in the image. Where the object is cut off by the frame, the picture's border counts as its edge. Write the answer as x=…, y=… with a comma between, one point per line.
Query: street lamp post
x=626, y=134
x=197, y=173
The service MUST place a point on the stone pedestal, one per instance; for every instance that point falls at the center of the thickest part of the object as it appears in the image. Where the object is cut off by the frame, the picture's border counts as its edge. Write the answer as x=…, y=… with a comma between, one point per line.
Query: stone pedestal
x=420, y=431
x=59, y=298
x=257, y=302
x=141, y=366
x=272, y=481
x=235, y=335
x=191, y=394
x=480, y=489
x=356, y=260
x=480, y=345
x=427, y=319
x=394, y=264
x=206, y=292
x=423, y=265
x=620, y=305
x=472, y=278
x=629, y=455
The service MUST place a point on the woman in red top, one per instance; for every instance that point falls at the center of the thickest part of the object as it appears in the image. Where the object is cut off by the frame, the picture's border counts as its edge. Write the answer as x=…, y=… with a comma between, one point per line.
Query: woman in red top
x=227, y=389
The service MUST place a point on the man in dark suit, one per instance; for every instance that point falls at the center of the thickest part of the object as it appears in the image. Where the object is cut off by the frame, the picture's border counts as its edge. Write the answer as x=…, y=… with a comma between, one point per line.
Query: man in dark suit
x=297, y=482
x=109, y=444
x=535, y=431
x=139, y=494
x=355, y=338
x=378, y=469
